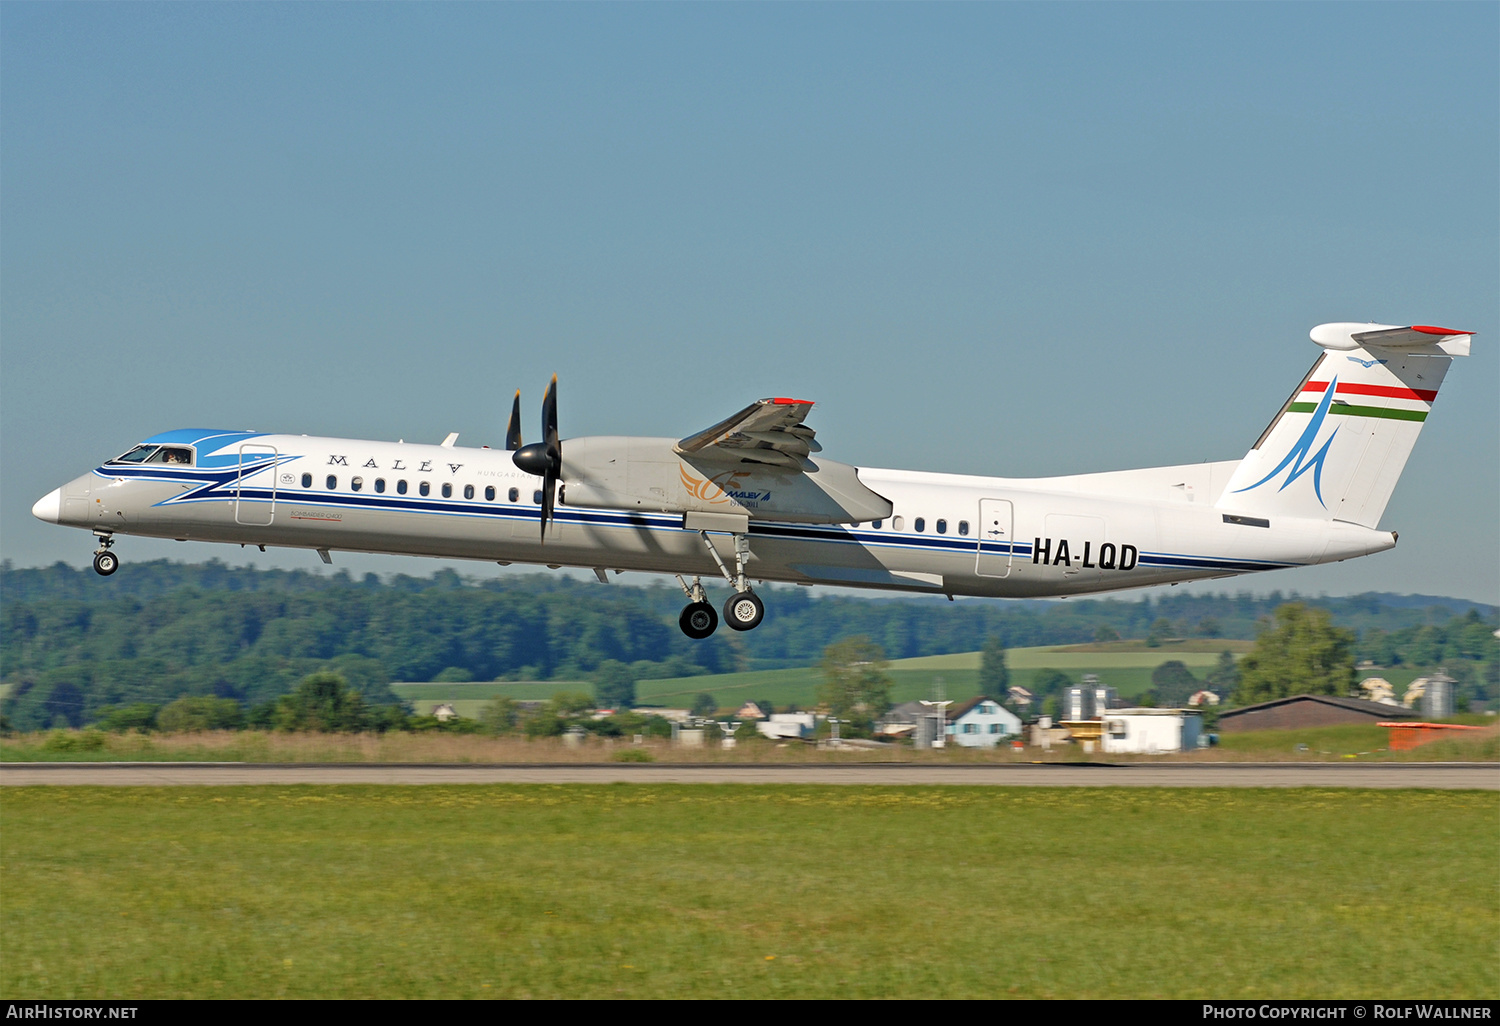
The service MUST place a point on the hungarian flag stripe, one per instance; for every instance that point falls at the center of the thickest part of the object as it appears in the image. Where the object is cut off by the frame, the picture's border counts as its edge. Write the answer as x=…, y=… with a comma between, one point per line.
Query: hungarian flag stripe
x=1385, y=391
x=1345, y=410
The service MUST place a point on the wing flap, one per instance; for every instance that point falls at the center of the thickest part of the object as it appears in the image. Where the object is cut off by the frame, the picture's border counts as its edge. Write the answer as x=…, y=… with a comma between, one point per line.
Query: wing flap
x=767, y=431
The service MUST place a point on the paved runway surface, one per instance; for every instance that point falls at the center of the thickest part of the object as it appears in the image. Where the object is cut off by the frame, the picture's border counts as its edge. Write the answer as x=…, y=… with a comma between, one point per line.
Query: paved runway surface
x=1483, y=776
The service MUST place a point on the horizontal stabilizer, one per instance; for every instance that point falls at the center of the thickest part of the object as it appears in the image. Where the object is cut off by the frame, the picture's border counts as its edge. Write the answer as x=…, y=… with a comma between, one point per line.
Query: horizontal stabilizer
x=1350, y=335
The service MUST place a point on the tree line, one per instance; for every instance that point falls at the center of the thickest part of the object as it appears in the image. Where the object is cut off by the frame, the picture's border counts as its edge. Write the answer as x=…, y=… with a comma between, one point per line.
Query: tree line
x=73, y=645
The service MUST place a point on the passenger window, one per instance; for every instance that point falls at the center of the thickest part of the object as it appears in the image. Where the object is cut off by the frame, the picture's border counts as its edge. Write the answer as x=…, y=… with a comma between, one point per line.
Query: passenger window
x=425, y=488
x=963, y=527
x=898, y=523
x=468, y=491
x=920, y=524
x=356, y=483
x=401, y=487
x=380, y=484
x=536, y=496
x=332, y=483
x=489, y=493
x=515, y=495
x=875, y=524
x=942, y=527
x=306, y=480
x=447, y=491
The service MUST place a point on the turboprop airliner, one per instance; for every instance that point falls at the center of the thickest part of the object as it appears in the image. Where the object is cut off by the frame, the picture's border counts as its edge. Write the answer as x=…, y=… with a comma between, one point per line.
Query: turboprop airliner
x=752, y=499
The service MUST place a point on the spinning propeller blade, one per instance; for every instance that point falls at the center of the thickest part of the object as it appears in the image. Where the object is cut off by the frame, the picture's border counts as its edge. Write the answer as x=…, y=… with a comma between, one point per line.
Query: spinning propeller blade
x=544, y=458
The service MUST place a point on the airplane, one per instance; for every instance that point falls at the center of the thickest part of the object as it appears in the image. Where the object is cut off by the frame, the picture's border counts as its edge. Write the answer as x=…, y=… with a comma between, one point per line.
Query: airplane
x=751, y=499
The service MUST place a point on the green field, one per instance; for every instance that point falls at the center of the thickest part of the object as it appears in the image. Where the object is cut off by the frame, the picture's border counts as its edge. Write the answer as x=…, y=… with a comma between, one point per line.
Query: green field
x=748, y=891
x=1126, y=667
x=425, y=695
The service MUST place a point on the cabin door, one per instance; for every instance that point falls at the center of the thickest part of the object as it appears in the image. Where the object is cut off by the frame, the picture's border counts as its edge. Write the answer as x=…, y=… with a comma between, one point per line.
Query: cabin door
x=993, y=558
x=255, y=485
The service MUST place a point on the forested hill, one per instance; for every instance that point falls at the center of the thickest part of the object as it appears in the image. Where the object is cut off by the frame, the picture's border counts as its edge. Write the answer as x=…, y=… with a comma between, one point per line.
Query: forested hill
x=156, y=631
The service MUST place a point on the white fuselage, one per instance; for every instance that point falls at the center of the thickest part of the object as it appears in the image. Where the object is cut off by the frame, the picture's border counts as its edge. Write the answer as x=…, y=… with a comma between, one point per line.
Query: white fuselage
x=948, y=534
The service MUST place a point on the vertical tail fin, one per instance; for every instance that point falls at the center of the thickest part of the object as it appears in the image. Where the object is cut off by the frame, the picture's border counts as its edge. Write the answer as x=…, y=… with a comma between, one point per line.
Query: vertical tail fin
x=1340, y=442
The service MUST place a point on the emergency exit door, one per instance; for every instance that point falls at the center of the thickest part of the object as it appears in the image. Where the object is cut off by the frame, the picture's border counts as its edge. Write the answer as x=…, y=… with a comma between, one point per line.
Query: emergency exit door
x=995, y=523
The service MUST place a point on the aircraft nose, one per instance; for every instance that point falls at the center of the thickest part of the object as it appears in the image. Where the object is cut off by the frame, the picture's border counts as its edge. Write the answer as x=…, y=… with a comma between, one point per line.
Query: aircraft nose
x=49, y=507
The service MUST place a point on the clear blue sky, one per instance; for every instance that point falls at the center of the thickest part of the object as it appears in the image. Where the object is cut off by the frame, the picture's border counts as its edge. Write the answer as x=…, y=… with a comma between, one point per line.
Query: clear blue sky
x=1016, y=239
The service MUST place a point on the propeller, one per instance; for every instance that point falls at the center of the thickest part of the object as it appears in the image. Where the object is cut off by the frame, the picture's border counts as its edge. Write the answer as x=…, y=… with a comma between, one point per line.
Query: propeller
x=544, y=458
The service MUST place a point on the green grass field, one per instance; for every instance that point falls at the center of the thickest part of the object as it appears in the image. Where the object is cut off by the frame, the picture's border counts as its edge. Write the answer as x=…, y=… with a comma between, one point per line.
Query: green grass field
x=748, y=891
x=426, y=695
x=1124, y=665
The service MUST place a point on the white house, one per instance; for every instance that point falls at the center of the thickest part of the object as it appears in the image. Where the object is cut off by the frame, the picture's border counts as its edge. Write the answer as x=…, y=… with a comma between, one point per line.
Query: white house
x=788, y=725
x=1151, y=730
x=982, y=722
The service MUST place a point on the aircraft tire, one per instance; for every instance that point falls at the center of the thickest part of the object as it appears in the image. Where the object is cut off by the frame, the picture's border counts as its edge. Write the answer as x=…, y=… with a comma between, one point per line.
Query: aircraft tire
x=698, y=620
x=744, y=612
x=106, y=563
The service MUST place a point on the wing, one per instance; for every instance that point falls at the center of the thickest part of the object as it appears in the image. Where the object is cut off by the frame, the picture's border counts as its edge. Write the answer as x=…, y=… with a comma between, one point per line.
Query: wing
x=769, y=431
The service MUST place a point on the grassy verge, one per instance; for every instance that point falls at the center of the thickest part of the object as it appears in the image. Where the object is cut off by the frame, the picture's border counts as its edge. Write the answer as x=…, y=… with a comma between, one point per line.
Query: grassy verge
x=1359, y=741
x=640, y=891
x=1323, y=744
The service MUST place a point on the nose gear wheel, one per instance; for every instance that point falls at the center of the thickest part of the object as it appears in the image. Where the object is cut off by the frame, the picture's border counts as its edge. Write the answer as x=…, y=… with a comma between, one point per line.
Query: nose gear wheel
x=105, y=561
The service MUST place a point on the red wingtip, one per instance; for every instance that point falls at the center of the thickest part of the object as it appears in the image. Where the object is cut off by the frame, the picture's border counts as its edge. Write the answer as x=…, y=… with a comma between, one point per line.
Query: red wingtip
x=1428, y=329
x=792, y=402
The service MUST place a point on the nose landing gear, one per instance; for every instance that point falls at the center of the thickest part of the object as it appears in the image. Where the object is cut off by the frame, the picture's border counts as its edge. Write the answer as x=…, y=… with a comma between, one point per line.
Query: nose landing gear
x=105, y=561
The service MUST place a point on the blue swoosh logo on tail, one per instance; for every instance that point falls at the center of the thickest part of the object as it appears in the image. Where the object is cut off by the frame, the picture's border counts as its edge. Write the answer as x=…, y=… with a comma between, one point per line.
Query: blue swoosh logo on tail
x=1303, y=446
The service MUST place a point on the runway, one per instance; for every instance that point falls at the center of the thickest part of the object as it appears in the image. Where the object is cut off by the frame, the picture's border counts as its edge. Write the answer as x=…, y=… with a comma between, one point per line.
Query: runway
x=1445, y=776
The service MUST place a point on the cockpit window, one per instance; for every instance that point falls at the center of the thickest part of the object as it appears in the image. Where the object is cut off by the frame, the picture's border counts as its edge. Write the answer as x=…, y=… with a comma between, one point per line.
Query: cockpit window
x=140, y=454
x=157, y=454
x=172, y=454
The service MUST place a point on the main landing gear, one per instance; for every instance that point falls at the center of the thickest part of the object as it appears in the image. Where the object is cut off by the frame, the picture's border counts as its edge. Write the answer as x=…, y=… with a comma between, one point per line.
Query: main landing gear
x=105, y=561
x=698, y=619
x=742, y=612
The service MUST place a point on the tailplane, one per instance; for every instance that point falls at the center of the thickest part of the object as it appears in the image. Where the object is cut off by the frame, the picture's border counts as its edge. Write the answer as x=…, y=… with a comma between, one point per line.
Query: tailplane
x=1340, y=442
